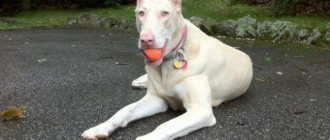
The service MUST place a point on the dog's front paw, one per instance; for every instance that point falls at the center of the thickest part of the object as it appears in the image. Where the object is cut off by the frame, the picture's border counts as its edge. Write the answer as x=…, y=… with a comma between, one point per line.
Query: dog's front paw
x=141, y=82
x=95, y=133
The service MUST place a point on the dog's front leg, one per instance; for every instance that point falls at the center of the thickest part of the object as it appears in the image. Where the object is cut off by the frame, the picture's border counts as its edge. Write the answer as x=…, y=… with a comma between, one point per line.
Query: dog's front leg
x=147, y=106
x=196, y=96
x=193, y=119
x=141, y=82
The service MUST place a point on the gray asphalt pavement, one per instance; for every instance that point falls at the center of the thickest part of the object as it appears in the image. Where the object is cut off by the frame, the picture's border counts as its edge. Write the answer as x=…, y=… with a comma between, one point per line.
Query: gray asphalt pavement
x=70, y=80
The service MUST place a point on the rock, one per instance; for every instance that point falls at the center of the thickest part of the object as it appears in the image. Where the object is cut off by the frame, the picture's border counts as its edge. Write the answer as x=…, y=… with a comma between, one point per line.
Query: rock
x=127, y=24
x=106, y=22
x=204, y=25
x=122, y=23
x=283, y=30
x=115, y=22
x=72, y=20
x=303, y=34
x=197, y=21
x=89, y=19
x=308, y=36
x=246, y=27
x=226, y=28
x=96, y=20
x=327, y=33
x=314, y=36
x=206, y=29
x=131, y=25
x=263, y=29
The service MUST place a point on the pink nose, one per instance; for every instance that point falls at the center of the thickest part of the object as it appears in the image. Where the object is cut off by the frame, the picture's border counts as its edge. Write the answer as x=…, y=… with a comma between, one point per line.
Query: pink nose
x=147, y=38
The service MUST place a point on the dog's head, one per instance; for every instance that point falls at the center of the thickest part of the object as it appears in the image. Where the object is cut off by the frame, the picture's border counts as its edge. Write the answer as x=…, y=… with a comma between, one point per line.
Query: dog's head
x=159, y=23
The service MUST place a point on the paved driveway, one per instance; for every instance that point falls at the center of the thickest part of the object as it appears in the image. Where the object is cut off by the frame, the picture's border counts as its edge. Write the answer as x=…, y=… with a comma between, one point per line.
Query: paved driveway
x=70, y=80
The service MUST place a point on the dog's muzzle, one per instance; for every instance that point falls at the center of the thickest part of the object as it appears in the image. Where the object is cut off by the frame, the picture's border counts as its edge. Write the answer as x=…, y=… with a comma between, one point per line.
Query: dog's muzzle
x=154, y=56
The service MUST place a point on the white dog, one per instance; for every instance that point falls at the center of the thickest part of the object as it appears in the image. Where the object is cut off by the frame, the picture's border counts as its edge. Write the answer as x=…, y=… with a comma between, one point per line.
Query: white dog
x=194, y=72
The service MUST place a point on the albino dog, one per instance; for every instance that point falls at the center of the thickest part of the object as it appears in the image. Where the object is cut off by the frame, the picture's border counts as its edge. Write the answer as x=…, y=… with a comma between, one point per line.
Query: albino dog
x=195, y=72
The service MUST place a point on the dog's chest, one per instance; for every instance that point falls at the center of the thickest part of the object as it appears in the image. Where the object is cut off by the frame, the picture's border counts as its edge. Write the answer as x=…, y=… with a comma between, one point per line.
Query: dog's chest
x=164, y=79
x=170, y=77
x=165, y=90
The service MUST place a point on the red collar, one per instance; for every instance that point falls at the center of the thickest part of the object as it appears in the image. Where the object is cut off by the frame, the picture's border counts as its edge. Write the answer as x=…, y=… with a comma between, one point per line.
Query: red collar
x=174, y=52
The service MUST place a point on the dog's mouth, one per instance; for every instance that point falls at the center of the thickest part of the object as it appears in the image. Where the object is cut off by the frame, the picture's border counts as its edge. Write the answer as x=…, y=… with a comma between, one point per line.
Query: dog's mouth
x=154, y=56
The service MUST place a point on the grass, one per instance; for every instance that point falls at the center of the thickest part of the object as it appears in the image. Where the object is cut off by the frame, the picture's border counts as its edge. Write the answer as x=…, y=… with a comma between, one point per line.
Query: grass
x=215, y=9
x=222, y=10
x=51, y=18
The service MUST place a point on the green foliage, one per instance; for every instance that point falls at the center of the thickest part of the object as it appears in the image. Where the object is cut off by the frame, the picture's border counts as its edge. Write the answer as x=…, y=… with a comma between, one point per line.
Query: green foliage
x=254, y=2
x=117, y=2
x=222, y=9
x=58, y=18
x=218, y=10
x=267, y=60
x=302, y=7
x=225, y=9
x=13, y=113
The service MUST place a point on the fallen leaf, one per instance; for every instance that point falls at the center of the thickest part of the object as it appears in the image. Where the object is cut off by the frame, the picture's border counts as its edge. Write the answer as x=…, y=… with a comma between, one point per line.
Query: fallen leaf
x=41, y=60
x=279, y=73
x=267, y=59
x=259, y=79
x=13, y=113
x=118, y=63
x=240, y=122
x=108, y=57
x=298, y=112
x=313, y=100
x=256, y=66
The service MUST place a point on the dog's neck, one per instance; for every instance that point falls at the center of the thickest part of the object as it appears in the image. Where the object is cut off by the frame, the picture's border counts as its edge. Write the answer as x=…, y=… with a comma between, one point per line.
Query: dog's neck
x=174, y=51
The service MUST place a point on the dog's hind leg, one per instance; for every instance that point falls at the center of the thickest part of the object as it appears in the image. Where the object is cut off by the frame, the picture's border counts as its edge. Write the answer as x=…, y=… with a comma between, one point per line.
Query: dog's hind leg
x=141, y=82
x=147, y=106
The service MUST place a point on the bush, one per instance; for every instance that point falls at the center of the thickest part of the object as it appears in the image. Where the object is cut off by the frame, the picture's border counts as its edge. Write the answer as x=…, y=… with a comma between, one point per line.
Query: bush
x=302, y=7
x=13, y=6
x=60, y=4
x=292, y=7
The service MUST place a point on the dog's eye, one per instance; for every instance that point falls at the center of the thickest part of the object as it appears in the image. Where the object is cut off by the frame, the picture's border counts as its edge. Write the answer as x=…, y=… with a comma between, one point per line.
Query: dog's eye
x=141, y=13
x=165, y=13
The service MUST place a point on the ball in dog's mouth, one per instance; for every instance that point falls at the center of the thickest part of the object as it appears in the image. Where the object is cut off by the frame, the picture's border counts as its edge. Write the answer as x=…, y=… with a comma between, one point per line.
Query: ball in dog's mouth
x=153, y=56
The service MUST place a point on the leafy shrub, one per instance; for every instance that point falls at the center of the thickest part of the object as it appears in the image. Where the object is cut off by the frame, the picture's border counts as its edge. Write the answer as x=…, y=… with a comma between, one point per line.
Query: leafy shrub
x=253, y=2
x=117, y=2
x=13, y=6
x=302, y=7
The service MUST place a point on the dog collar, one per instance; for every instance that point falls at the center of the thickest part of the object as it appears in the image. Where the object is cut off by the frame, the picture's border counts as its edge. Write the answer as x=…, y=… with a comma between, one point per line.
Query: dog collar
x=178, y=50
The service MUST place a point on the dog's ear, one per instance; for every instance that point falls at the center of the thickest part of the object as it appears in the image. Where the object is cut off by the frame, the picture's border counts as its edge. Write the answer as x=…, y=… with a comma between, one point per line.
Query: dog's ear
x=138, y=2
x=177, y=3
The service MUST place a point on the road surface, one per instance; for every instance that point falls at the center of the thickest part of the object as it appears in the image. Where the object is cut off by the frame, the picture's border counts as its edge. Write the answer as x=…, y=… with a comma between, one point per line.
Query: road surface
x=73, y=79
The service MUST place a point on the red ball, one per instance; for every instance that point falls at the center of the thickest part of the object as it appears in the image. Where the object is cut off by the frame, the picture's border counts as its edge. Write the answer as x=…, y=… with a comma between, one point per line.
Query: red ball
x=152, y=54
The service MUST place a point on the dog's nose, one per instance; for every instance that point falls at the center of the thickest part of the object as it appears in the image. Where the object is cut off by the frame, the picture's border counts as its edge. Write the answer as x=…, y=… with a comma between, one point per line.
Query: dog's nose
x=147, y=38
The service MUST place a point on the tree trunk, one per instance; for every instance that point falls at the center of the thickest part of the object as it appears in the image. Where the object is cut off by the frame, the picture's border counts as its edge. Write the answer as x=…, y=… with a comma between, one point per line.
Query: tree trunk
x=272, y=3
x=1, y=4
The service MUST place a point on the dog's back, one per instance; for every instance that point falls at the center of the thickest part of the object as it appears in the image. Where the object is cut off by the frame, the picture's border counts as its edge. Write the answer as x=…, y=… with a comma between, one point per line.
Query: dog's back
x=229, y=70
